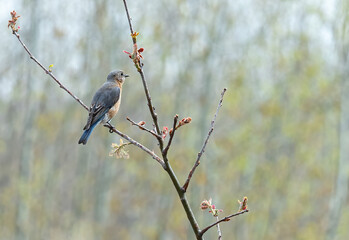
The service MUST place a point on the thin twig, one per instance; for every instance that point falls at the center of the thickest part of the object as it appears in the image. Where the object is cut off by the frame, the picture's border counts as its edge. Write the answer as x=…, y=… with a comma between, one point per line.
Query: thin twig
x=202, y=232
x=197, y=162
x=219, y=230
x=175, y=119
x=48, y=72
x=129, y=22
x=151, y=153
x=143, y=128
x=111, y=128
x=139, y=67
x=154, y=116
x=164, y=163
x=150, y=105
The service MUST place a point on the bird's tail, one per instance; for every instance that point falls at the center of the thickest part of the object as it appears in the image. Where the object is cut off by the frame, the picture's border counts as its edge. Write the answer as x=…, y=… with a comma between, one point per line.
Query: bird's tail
x=87, y=134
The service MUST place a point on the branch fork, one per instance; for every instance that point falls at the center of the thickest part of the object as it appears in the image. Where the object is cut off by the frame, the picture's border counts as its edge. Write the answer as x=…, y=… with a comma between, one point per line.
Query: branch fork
x=157, y=133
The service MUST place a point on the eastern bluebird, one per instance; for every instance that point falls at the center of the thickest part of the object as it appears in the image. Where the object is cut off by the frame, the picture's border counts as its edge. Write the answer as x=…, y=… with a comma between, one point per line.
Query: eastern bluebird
x=105, y=103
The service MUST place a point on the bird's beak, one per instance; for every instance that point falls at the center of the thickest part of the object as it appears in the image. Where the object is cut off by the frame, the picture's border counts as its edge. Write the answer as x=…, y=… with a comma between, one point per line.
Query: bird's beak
x=127, y=75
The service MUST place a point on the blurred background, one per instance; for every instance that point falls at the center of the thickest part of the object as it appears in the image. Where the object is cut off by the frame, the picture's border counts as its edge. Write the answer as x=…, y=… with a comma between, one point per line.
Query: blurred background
x=281, y=137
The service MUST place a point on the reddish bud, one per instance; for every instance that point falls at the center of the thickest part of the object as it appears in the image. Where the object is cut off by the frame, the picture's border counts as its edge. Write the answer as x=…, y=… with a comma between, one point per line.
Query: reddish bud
x=205, y=204
x=183, y=122
x=243, y=204
x=12, y=22
x=141, y=123
x=140, y=50
x=164, y=132
x=187, y=120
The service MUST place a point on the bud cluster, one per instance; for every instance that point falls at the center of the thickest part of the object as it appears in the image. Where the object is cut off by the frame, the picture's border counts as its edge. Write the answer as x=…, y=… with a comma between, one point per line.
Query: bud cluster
x=207, y=204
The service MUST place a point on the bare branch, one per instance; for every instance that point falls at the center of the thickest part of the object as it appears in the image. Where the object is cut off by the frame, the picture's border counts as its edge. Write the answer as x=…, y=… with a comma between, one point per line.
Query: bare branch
x=172, y=175
x=48, y=72
x=150, y=105
x=151, y=153
x=197, y=162
x=182, y=196
x=175, y=119
x=139, y=67
x=225, y=219
x=219, y=230
x=136, y=56
x=143, y=128
x=129, y=21
x=111, y=128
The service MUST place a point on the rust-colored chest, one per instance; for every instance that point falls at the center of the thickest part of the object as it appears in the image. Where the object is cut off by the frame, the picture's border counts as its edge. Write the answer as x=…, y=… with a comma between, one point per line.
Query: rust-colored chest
x=113, y=111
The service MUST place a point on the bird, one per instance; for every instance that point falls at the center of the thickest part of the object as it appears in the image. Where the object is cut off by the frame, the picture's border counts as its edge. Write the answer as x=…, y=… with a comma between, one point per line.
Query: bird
x=105, y=103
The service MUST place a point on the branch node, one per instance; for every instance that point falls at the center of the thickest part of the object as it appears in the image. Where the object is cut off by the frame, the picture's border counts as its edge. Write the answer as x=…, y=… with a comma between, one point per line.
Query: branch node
x=172, y=132
x=225, y=219
x=108, y=125
x=143, y=128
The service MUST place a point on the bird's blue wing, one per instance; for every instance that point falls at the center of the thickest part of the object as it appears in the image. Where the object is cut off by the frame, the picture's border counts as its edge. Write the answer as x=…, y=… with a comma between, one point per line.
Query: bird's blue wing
x=103, y=100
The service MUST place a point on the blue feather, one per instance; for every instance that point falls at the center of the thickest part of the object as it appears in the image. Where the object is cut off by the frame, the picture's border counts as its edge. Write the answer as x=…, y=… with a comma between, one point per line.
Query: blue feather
x=88, y=132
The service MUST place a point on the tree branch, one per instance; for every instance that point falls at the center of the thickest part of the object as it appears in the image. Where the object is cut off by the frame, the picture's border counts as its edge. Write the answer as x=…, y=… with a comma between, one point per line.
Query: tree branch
x=172, y=175
x=111, y=128
x=129, y=22
x=225, y=219
x=163, y=162
x=49, y=72
x=197, y=162
x=139, y=67
x=219, y=230
x=151, y=153
x=183, y=198
x=143, y=128
x=150, y=105
x=175, y=119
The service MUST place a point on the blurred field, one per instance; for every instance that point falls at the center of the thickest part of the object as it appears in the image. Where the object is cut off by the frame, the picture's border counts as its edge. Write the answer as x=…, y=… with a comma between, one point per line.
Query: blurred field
x=281, y=139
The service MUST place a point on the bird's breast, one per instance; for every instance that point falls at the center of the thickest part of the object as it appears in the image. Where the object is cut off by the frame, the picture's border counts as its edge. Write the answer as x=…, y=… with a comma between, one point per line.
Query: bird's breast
x=113, y=111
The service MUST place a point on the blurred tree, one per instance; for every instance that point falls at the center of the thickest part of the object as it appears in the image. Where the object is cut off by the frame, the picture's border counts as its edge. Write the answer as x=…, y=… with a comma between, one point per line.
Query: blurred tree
x=340, y=193
x=280, y=138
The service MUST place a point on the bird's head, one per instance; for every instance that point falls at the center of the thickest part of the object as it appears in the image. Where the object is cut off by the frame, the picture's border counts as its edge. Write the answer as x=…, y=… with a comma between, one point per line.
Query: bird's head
x=117, y=76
